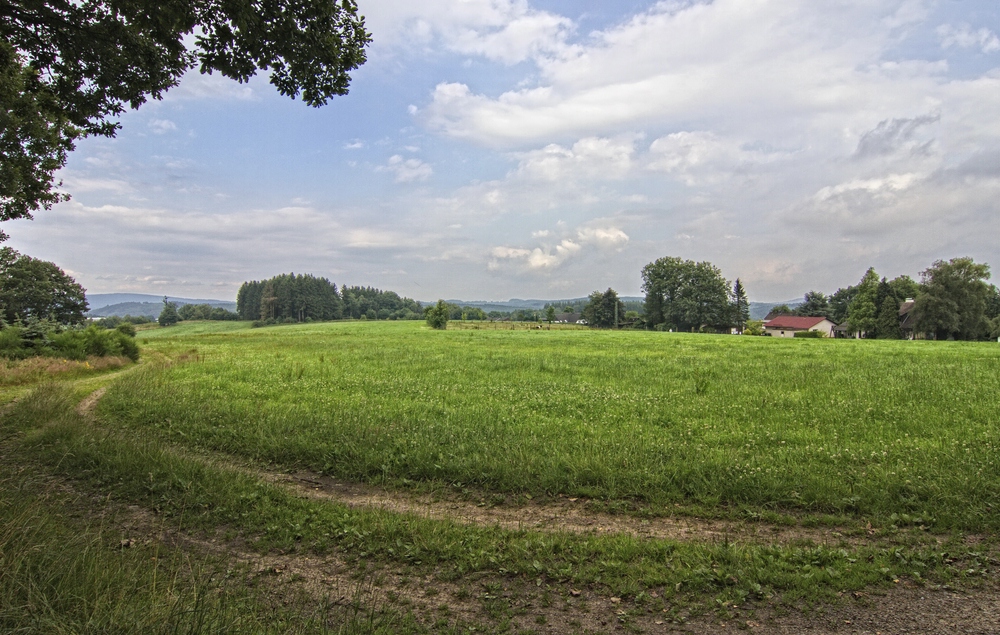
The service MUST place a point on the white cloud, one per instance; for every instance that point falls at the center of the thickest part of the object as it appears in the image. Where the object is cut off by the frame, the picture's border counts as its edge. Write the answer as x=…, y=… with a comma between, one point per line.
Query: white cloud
x=799, y=72
x=590, y=158
x=539, y=258
x=505, y=31
x=407, y=170
x=964, y=37
x=162, y=126
x=354, y=145
x=553, y=255
x=609, y=238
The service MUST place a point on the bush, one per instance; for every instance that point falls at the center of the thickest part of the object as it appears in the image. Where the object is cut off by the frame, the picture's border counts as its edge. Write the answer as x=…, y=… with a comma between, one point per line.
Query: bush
x=437, y=315
x=126, y=328
x=810, y=334
x=754, y=327
x=12, y=344
x=94, y=341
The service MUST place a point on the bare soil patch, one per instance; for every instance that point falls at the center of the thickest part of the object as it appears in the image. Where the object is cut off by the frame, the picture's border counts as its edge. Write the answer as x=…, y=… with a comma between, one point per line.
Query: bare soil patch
x=566, y=515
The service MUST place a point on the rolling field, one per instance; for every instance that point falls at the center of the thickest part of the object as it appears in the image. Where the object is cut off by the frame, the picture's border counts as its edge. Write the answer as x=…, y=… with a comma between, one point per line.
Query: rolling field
x=879, y=430
x=383, y=477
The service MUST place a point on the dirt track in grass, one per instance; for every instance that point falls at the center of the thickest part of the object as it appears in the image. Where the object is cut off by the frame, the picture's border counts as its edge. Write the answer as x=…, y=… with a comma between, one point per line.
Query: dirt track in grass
x=573, y=515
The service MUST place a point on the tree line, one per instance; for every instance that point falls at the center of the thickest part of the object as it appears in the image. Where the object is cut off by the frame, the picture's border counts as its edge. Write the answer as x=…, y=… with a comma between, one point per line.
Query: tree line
x=951, y=301
x=306, y=298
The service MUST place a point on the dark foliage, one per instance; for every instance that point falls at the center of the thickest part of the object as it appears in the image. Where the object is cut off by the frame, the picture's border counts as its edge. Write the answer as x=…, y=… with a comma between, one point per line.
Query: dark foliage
x=289, y=297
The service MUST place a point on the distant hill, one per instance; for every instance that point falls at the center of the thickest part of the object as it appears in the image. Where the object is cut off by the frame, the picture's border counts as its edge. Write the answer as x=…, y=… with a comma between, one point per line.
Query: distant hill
x=515, y=303
x=101, y=300
x=122, y=304
x=759, y=310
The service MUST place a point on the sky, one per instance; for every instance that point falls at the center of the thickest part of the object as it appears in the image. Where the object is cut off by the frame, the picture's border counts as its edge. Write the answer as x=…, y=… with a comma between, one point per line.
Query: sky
x=496, y=149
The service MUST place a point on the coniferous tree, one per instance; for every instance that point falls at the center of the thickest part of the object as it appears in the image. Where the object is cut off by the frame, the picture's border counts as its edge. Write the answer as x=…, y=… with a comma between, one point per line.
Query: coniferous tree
x=741, y=306
x=815, y=304
x=862, y=314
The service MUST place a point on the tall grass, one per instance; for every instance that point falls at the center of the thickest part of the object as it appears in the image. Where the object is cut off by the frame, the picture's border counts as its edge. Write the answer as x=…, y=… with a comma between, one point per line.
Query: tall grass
x=67, y=566
x=196, y=495
x=873, y=429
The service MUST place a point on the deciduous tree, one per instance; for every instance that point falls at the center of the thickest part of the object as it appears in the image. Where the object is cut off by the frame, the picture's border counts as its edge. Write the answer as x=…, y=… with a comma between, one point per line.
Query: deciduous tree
x=685, y=295
x=953, y=300
x=604, y=310
x=36, y=289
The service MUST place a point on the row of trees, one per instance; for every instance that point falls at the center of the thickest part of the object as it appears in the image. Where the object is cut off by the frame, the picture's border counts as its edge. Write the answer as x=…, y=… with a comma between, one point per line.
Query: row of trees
x=374, y=304
x=951, y=301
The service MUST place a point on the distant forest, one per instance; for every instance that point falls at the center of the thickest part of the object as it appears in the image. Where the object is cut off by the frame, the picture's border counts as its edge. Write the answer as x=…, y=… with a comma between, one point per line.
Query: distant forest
x=301, y=298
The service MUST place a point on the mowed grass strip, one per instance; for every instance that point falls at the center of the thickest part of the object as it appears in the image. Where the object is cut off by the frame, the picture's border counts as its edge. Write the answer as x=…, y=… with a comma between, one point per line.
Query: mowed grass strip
x=192, y=494
x=892, y=432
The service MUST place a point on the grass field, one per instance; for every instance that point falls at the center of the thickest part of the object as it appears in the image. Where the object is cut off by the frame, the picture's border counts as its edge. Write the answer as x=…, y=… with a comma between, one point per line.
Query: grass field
x=879, y=430
x=890, y=446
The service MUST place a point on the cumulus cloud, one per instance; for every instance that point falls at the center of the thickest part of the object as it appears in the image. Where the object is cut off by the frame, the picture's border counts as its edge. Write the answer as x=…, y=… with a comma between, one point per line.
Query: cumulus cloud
x=407, y=170
x=537, y=258
x=608, y=238
x=505, y=31
x=590, y=158
x=552, y=255
x=965, y=37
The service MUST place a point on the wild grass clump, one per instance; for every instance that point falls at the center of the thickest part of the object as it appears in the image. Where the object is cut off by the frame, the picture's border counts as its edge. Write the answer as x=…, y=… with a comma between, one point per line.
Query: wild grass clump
x=36, y=370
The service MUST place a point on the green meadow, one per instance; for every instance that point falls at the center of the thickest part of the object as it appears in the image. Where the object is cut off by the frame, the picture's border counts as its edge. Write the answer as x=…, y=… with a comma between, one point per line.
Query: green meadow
x=887, y=447
x=879, y=430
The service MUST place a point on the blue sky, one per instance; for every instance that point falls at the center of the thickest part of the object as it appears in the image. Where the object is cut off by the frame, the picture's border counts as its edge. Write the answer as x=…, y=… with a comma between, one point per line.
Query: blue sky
x=492, y=149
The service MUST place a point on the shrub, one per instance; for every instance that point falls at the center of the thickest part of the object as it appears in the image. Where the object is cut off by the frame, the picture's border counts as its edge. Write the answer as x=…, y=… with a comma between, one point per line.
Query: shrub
x=126, y=328
x=437, y=315
x=810, y=334
x=94, y=341
x=754, y=327
x=11, y=343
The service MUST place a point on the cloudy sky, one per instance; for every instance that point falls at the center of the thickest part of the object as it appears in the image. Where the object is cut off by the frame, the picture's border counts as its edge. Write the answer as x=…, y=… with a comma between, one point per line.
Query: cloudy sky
x=492, y=149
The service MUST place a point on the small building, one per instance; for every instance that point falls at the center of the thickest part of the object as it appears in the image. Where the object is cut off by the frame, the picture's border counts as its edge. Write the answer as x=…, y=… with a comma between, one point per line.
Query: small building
x=907, y=319
x=568, y=318
x=788, y=325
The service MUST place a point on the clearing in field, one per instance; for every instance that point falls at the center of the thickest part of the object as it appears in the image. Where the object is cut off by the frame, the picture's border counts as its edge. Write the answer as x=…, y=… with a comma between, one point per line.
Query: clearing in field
x=543, y=480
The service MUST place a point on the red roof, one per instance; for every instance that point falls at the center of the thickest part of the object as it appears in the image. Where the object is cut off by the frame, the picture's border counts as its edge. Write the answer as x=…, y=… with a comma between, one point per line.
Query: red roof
x=793, y=322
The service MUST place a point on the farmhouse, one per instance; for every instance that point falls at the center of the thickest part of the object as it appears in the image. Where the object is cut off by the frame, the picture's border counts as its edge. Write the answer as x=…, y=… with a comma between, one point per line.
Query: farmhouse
x=788, y=325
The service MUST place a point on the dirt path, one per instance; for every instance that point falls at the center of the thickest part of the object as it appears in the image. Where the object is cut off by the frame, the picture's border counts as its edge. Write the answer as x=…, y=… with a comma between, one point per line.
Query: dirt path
x=560, y=514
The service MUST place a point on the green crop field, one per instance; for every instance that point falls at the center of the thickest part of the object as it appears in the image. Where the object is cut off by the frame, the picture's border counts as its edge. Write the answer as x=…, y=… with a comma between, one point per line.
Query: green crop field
x=878, y=459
